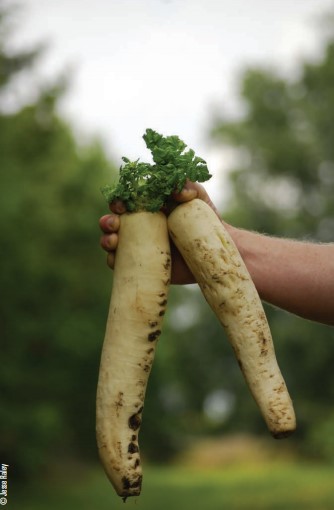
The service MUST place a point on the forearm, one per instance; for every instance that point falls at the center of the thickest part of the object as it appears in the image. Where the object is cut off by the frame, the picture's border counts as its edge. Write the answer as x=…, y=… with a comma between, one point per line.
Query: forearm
x=295, y=276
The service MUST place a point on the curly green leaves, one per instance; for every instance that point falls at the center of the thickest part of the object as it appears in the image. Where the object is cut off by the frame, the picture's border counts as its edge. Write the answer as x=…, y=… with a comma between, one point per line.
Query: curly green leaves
x=146, y=186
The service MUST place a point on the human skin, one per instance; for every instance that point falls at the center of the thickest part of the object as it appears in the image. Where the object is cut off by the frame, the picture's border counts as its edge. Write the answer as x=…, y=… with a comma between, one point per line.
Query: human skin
x=293, y=275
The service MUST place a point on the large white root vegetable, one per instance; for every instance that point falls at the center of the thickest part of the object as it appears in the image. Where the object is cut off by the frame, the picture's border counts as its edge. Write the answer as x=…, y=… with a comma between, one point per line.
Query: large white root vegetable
x=137, y=307
x=227, y=286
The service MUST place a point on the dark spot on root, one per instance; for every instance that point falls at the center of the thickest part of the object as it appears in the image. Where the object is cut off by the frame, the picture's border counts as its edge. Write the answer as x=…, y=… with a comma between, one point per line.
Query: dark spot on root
x=119, y=449
x=167, y=264
x=217, y=278
x=282, y=435
x=163, y=303
x=154, y=335
x=146, y=368
x=137, y=483
x=137, y=462
x=133, y=448
x=119, y=402
x=153, y=324
x=149, y=351
x=162, y=294
x=162, y=313
x=135, y=420
x=127, y=485
x=240, y=364
x=134, y=437
x=264, y=348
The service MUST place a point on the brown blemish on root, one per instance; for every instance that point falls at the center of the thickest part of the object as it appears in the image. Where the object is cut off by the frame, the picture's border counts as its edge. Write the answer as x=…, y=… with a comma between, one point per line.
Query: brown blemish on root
x=264, y=347
x=135, y=420
x=163, y=303
x=119, y=402
x=133, y=448
x=161, y=313
x=119, y=449
x=128, y=485
x=198, y=243
x=282, y=435
x=154, y=335
x=280, y=389
x=152, y=324
x=167, y=263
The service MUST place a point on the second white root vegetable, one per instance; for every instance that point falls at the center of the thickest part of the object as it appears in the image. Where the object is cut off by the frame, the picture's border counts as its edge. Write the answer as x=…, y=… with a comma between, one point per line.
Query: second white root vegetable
x=137, y=307
x=226, y=284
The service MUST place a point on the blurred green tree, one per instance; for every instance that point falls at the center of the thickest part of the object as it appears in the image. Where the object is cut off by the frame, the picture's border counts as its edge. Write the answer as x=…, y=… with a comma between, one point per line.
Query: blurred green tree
x=55, y=288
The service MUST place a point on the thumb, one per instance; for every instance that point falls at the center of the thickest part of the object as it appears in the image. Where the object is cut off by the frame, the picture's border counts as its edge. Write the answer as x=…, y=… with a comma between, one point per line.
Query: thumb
x=189, y=192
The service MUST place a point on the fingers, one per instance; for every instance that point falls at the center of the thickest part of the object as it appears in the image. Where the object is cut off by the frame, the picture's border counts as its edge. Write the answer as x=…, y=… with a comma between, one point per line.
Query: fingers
x=181, y=274
x=109, y=242
x=117, y=207
x=190, y=191
x=109, y=223
x=111, y=259
x=193, y=190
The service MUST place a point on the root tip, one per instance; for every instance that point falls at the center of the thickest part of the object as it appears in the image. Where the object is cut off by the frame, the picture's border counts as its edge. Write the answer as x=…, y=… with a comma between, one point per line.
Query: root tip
x=282, y=434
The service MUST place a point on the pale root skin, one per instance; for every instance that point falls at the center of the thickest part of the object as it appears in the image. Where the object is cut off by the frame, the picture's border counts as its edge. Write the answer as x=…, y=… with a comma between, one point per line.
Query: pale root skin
x=137, y=306
x=226, y=284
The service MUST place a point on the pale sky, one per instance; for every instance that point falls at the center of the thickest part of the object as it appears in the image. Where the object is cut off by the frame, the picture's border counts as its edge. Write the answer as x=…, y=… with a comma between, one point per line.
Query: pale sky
x=164, y=64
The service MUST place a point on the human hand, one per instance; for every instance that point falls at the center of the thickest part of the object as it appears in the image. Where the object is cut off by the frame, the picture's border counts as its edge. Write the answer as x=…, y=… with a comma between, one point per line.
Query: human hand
x=110, y=224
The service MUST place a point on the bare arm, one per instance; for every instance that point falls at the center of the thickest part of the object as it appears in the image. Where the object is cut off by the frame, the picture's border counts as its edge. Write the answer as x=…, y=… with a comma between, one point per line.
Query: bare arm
x=296, y=276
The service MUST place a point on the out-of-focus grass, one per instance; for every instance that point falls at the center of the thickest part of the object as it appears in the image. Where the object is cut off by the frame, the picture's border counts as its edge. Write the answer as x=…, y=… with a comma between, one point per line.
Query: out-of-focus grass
x=267, y=486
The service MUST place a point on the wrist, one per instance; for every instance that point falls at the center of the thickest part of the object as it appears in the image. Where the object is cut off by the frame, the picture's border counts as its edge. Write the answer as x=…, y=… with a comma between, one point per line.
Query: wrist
x=236, y=235
x=247, y=244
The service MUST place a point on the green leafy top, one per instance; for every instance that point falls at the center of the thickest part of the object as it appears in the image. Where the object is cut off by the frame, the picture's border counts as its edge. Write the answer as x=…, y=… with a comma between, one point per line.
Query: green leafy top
x=145, y=186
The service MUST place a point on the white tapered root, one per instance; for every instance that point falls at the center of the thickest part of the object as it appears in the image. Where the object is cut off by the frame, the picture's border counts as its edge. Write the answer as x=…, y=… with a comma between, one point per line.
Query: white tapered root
x=137, y=306
x=226, y=284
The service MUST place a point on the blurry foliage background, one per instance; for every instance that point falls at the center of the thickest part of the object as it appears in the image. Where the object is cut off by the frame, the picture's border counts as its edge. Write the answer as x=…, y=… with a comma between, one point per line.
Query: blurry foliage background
x=55, y=286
